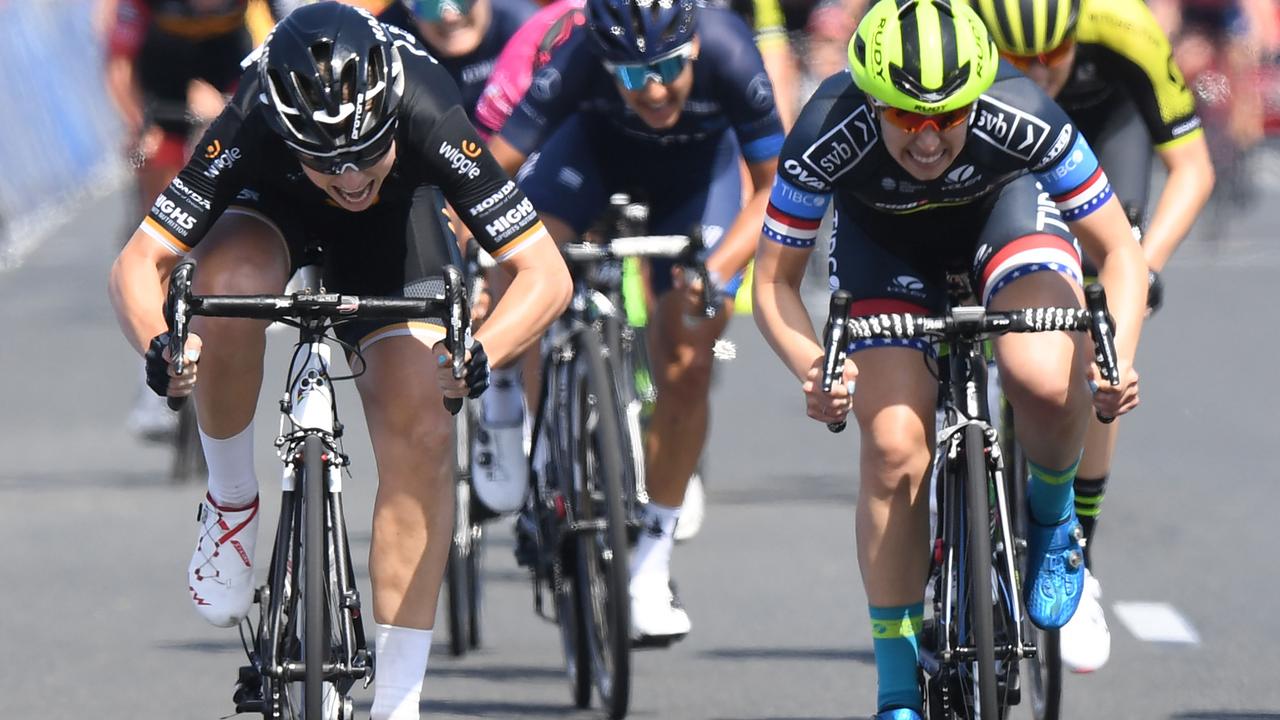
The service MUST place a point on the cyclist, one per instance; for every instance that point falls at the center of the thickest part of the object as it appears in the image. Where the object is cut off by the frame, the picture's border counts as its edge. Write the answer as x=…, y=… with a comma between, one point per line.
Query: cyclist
x=663, y=98
x=168, y=63
x=1108, y=64
x=342, y=136
x=937, y=155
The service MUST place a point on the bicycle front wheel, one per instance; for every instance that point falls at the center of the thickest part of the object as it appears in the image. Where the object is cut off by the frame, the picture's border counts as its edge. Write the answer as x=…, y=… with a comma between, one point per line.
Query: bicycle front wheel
x=315, y=637
x=980, y=618
x=603, y=571
x=1046, y=667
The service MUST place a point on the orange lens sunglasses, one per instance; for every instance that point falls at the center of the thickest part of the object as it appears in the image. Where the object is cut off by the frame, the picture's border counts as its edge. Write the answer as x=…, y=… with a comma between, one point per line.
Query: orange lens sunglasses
x=913, y=122
x=1047, y=59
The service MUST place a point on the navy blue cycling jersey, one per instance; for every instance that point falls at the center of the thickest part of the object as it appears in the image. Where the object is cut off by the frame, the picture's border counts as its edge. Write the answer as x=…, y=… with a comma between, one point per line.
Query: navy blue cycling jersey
x=730, y=91
x=836, y=147
x=470, y=71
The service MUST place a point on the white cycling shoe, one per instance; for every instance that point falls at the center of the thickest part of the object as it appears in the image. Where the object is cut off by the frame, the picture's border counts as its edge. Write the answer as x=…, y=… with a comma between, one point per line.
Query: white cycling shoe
x=692, y=510
x=499, y=468
x=1085, y=639
x=656, y=614
x=220, y=576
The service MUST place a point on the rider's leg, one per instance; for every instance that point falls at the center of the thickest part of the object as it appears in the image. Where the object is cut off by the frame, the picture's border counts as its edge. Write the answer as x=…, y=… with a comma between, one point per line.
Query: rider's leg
x=244, y=253
x=894, y=405
x=889, y=264
x=1027, y=258
x=412, y=438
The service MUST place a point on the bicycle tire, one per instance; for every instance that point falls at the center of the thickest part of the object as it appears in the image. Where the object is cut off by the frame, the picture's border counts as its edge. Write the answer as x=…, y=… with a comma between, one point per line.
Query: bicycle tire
x=315, y=639
x=980, y=607
x=457, y=584
x=277, y=608
x=570, y=622
x=475, y=567
x=188, y=454
x=1046, y=666
x=603, y=571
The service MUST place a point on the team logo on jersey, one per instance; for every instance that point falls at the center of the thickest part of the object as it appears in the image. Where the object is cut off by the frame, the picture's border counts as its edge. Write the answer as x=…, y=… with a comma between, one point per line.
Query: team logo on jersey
x=1012, y=130
x=960, y=174
x=470, y=149
x=461, y=162
x=760, y=92
x=839, y=150
x=546, y=84
x=221, y=160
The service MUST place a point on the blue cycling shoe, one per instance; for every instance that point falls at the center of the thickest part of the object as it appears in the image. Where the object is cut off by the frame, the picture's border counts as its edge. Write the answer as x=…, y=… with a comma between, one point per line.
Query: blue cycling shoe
x=898, y=714
x=1055, y=572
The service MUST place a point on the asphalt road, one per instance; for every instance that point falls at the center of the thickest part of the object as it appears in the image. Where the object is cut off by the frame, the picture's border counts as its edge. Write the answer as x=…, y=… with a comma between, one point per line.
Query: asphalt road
x=95, y=622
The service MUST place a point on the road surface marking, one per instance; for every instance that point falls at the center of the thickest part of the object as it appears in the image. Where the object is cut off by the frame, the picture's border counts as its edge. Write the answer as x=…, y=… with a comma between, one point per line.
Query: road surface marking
x=1156, y=622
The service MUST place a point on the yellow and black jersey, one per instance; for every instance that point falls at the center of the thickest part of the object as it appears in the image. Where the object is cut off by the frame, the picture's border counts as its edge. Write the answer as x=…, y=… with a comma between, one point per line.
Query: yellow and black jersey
x=1121, y=49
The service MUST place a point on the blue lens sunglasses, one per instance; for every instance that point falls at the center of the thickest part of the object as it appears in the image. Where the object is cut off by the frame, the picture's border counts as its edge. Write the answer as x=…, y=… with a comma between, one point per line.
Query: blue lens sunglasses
x=433, y=10
x=664, y=70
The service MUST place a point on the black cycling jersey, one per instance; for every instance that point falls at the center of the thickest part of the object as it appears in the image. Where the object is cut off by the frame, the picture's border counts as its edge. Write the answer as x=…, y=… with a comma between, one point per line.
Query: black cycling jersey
x=435, y=146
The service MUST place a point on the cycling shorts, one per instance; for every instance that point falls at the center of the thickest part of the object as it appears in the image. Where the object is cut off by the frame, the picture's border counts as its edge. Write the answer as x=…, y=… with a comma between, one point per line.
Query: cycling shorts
x=585, y=161
x=392, y=249
x=899, y=263
x=1123, y=145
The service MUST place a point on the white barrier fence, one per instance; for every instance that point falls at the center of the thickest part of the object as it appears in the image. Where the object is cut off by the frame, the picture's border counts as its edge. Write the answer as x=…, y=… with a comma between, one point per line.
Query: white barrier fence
x=59, y=134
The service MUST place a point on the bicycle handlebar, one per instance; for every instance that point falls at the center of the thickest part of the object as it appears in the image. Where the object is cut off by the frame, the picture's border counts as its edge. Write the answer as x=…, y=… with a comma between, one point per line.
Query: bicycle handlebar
x=181, y=305
x=967, y=322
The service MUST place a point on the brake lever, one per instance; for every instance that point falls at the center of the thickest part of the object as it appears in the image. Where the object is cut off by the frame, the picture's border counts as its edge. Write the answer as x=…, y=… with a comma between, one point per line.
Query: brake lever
x=177, y=315
x=835, y=341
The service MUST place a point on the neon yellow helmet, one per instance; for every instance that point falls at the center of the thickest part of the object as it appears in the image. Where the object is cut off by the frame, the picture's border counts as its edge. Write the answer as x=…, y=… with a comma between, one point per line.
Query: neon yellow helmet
x=1029, y=27
x=924, y=56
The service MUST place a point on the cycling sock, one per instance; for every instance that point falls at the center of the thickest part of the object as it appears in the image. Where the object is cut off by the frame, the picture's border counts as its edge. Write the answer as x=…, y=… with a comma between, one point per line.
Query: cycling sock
x=232, y=481
x=651, y=558
x=402, y=661
x=1050, y=493
x=895, y=637
x=503, y=402
x=1089, y=494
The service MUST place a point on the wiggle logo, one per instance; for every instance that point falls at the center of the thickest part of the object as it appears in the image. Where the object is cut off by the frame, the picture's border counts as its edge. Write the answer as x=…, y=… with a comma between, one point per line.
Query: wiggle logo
x=470, y=149
x=213, y=149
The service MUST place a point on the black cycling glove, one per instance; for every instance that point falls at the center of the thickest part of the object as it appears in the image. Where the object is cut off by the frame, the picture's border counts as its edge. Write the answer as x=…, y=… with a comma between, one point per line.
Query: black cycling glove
x=477, y=370
x=157, y=366
x=1155, y=291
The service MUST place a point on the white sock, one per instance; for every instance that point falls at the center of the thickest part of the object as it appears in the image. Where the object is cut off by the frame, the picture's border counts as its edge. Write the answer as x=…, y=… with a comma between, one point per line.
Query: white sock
x=232, y=482
x=651, y=558
x=503, y=402
x=401, y=657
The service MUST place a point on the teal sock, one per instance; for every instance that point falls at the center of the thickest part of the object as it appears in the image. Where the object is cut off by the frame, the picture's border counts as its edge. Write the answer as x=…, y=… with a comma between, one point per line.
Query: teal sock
x=895, y=637
x=1050, y=493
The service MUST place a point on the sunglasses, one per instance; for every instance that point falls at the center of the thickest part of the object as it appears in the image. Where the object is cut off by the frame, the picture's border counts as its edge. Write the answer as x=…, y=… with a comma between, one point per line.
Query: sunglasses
x=913, y=122
x=1048, y=59
x=359, y=159
x=434, y=10
x=663, y=70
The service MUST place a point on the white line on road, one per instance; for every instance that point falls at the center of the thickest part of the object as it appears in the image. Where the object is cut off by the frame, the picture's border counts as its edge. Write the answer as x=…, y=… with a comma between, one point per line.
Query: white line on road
x=1156, y=622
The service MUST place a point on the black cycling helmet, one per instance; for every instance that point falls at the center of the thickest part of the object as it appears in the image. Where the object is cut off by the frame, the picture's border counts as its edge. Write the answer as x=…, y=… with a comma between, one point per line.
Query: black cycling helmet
x=640, y=31
x=331, y=79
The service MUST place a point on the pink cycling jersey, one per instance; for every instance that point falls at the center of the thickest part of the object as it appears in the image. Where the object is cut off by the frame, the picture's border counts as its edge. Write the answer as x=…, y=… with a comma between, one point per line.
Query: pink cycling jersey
x=525, y=52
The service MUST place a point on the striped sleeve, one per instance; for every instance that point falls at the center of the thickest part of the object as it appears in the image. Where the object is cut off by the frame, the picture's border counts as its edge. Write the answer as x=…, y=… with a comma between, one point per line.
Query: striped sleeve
x=793, y=215
x=1076, y=182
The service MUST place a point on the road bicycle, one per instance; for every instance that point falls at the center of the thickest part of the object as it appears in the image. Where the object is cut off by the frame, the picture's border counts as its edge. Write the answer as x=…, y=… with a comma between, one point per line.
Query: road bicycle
x=587, y=464
x=979, y=631
x=309, y=647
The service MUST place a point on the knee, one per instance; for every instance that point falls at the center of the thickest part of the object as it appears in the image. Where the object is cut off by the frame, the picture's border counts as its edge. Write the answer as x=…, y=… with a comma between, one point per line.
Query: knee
x=1043, y=396
x=895, y=450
